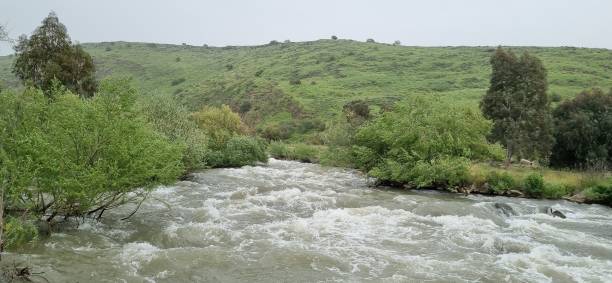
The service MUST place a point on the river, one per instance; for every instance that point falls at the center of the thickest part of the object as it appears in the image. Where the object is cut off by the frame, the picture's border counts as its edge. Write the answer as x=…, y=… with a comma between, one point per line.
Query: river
x=294, y=222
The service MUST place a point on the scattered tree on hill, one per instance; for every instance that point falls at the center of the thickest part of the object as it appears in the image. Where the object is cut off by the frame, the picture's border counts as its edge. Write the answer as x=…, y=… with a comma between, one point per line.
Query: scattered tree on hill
x=334, y=37
x=49, y=54
x=583, y=131
x=370, y=40
x=356, y=112
x=518, y=105
x=397, y=42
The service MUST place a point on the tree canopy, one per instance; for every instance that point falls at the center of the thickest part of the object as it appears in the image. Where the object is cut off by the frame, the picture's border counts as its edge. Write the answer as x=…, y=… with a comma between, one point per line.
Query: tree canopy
x=518, y=104
x=583, y=131
x=423, y=142
x=48, y=54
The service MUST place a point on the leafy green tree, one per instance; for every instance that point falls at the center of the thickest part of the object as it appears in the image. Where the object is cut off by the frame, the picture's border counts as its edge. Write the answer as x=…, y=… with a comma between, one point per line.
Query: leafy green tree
x=72, y=157
x=518, y=104
x=169, y=117
x=49, y=54
x=583, y=131
x=422, y=143
x=220, y=123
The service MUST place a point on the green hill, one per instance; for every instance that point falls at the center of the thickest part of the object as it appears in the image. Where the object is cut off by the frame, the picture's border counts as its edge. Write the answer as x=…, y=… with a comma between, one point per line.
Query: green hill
x=311, y=81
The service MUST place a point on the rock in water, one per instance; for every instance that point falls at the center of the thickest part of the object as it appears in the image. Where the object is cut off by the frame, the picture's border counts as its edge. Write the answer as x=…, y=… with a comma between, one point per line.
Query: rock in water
x=555, y=212
x=505, y=209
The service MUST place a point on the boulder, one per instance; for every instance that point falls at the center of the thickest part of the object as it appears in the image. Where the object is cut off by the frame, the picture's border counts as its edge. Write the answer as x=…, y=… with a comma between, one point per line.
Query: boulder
x=579, y=198
x=514, y=193
x=505, y=209
x=555, y=213
x=484, y=189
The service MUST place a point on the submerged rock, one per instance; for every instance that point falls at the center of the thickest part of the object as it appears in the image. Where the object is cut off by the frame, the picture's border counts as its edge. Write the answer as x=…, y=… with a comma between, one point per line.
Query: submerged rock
x=505, y=209
x=555, y=213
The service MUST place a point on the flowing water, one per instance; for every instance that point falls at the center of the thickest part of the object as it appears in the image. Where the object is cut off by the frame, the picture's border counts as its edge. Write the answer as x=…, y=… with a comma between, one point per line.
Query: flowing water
x=294, y=222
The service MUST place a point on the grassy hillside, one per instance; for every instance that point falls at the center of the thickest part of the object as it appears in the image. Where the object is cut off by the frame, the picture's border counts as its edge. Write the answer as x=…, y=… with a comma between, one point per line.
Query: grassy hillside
x=307, y=80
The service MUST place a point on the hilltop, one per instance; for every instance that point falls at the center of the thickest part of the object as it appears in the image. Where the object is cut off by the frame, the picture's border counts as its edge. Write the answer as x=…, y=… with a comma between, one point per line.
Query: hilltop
x=311, y=81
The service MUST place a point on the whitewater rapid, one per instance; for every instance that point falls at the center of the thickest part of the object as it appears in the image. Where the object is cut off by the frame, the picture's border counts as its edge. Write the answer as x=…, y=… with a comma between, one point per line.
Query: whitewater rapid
x=294, y=222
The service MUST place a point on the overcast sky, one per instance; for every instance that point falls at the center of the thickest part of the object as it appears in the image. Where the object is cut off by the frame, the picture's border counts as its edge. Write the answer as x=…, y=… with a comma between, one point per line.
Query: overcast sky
x=583, y=23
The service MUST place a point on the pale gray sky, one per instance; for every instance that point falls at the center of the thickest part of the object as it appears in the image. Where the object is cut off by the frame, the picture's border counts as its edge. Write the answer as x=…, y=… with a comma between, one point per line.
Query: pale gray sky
x=583, y=23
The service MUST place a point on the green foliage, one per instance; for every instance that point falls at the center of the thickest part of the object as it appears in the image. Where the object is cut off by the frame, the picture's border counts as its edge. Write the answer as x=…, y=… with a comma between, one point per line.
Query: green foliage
x=356, y=112
x=534, y=185
x=167, y=116
x=583, y=131
x=300, y=152
x=50, y=55
x=424, y=142
x=600, y=194
x=220, y=123
x=379, y=76
x=518, y=105
x=555, y=191
x=500, y=182
x=18, y=231
x=239, y=151
x=333, y=37
x=83, y=155
x=445, y=170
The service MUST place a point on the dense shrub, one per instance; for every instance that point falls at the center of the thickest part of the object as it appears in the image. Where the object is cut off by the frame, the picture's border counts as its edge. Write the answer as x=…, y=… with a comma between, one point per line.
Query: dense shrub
x=534, y=185
x=239, y=151
x=19, y=231
x=220, y=123
x=229, y=146
x=600, y=194
x=423, y=142
x=334, y=37
x=300, y=152
x=168, y=117
x=555, y=191
x=305, y=153
x=83, y=155
x=583, y=131
x=279, y=150
x=500, y=182
x=356, y=112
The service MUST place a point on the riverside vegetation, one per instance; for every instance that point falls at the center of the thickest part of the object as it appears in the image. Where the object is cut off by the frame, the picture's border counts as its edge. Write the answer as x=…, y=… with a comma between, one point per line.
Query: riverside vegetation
x=74, y=146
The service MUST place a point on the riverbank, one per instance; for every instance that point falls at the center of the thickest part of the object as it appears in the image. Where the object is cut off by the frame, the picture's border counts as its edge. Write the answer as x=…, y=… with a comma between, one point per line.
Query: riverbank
x=493, y=178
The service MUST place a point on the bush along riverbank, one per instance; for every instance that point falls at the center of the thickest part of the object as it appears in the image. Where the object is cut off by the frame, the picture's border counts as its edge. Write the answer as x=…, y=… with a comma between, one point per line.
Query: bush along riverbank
x=493, y=178
x=424, y=143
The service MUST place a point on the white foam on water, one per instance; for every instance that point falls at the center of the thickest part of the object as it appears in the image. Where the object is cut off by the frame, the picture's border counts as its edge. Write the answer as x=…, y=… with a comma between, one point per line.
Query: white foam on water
x=325, y=224
x=134, y=255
